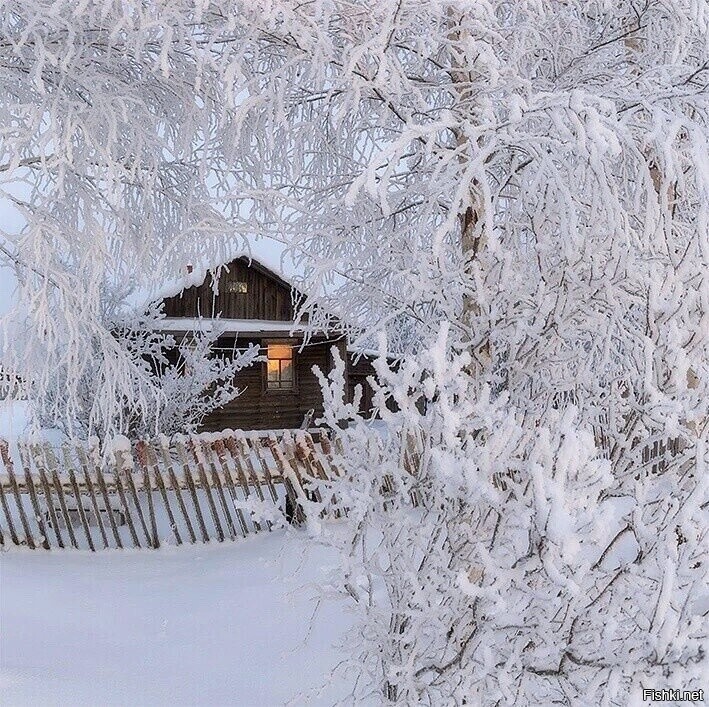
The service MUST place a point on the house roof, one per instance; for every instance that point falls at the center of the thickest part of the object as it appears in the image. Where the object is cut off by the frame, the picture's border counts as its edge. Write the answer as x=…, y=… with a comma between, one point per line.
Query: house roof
x=269, y=265
x=263, y=327
x=194, y=275
x=226, y=325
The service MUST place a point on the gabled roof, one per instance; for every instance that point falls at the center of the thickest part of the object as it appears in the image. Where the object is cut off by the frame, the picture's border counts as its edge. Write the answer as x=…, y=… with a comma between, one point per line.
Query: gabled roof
x=263, y=327
x=195, y=275
x=226, y=325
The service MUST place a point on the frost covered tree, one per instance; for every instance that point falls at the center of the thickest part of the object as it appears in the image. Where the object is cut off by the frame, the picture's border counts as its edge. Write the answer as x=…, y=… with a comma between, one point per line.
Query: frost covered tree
x=514, y=196
x=179, y=380
x=118, y=130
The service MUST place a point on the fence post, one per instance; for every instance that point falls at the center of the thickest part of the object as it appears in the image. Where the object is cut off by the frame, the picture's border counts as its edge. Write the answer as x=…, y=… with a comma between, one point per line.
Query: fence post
x=29, y=483
x=40, y=463
x=121, y=494
x=153, y=539
x=175, y=485
x=103, y=487
x=52, y=463
x=246, y=451
x=193, y=491
x=204, y=483
x=149, y=452
x=206, y=452
x=222, y=456
x=77, y=496
x=84, y=462
x=8, y=517
x=9, y=467
x=230, y=444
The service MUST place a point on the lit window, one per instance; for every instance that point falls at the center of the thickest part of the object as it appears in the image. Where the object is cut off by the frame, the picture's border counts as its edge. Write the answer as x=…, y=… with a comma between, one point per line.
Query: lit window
x=237, y=288
x=279, y=367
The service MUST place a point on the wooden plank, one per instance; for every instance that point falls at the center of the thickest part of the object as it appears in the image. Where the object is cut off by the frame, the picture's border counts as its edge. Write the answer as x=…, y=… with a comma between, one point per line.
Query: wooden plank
x=8, y=517
x=323, y=450
x=313, y=461
x=291, y=481
x=327, y=448
x=222, y=456
x=141, y=453
x=306, y=453
x=193, y=447
x=40, y=463
x=287, y=449
x=246, y=451
x=126, y=467
x=107, y=501
x=191, y=487
x=302, y=462
x=77, y=495
x=148, y=484
x=10, y=469
x=52, y=464
x=257, y=444
x=234, y=451
x=29, y=483
x=293, y=509
x=174, y=483
x=151, y=459
x=84, y=462
x=208, y=456
x=318, y=466
x=124, y=503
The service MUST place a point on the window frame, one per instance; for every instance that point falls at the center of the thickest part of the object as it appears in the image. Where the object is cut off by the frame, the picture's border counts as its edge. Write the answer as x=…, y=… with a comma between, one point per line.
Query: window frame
x=280, y=342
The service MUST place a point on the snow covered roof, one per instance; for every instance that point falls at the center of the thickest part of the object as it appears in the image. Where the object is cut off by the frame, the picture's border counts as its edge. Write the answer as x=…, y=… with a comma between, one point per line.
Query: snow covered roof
x=276, y=267
x=230, y=326
x=271, y=258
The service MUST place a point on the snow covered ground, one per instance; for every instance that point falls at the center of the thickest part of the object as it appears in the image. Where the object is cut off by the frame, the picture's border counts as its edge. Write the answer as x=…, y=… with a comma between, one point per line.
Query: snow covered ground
x=198, y=625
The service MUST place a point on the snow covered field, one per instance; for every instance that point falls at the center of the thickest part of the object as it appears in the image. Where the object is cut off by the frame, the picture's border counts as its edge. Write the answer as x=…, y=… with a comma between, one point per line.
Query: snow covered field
x=202, y=625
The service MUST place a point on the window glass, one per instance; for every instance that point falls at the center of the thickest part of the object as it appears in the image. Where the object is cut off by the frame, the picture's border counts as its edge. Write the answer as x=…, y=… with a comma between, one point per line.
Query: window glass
x=279, y=367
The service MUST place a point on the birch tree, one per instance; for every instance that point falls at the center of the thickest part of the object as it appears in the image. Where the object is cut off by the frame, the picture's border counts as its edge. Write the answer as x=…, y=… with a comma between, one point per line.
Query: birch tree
x=117, y=125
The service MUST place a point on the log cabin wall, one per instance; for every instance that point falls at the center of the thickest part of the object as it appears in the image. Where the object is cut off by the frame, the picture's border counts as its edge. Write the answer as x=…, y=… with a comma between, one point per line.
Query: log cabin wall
x=267, y=296
x=258, y=408
x=358, y=370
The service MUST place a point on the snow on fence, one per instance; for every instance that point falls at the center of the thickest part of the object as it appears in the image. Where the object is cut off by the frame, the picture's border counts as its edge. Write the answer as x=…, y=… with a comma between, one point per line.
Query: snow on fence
x=182, y=490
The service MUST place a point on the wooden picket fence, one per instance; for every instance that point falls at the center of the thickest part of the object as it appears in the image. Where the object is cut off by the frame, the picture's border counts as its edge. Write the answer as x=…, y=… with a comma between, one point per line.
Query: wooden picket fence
x=187, y=489
x=183, y=490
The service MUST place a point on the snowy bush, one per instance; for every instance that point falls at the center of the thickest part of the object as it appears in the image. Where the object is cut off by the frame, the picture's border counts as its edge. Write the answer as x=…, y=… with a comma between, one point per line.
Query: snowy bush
x=497, y=558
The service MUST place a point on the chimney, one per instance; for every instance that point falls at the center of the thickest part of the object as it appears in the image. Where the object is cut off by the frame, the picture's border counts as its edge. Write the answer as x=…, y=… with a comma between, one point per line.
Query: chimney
x=189, y=268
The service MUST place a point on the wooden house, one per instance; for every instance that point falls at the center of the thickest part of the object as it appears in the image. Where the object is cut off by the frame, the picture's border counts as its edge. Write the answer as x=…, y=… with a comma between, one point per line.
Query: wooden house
x=254, y=304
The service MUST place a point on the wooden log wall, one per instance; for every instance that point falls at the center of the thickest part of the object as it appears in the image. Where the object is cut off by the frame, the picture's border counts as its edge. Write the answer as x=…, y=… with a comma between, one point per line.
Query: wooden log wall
x=267, y=296
x=257, y=408
x=190, y=489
